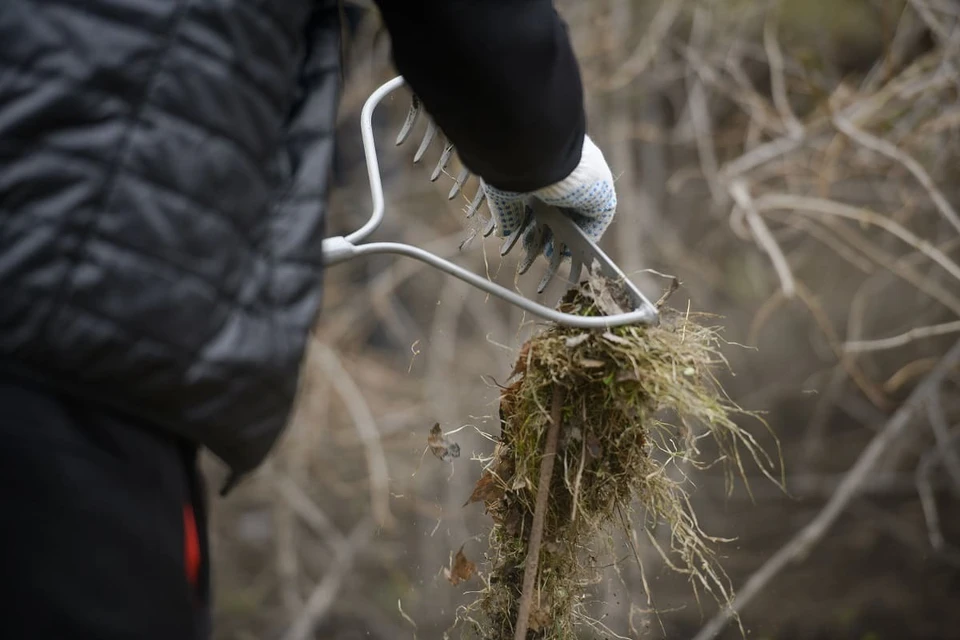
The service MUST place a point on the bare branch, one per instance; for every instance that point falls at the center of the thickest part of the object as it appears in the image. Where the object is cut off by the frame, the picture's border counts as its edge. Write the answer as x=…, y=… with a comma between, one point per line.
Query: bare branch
x=945, y=442
x=916, y=333
x=323, y=596
x=539, y=514
x=739, y=192
x=366, y=426
x=805, y=204
x=291, y=493
x=644, y=53
x=890, y=150
x=810, y=535
x=778, y=80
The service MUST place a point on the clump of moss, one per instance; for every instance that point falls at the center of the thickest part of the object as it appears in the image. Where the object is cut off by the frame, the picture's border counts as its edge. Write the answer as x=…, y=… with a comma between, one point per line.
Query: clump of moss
x=637, y=401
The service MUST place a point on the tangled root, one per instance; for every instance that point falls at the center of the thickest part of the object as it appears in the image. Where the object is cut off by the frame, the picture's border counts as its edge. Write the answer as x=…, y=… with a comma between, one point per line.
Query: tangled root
x=615, y=451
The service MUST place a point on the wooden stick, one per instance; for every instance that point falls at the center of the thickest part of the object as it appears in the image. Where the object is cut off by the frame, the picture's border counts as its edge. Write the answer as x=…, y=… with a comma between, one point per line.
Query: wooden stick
x=539, y=515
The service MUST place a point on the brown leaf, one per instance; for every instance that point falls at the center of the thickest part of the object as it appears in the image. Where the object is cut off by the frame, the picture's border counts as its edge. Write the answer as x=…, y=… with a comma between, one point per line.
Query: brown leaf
x=539, y=619
x=487, y=490
x=441, y=446
x=462, y=569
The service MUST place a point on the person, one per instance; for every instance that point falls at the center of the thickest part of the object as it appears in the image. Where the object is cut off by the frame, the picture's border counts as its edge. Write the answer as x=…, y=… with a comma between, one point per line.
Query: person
x=164, y=173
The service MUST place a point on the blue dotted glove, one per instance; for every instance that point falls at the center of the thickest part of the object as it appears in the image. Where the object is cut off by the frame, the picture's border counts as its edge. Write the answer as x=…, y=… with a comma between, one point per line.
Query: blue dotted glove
x=587, y=195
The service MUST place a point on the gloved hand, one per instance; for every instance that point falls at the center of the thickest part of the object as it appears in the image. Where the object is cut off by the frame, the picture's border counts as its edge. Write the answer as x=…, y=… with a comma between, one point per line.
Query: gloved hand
x=587, y=195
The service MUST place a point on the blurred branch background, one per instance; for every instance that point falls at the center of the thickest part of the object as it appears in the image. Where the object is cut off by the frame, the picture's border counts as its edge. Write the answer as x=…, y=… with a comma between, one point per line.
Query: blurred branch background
x=797, y=166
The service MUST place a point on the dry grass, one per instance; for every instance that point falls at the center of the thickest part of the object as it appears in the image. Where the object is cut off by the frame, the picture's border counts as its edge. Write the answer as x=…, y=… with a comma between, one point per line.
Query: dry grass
x=638, y=402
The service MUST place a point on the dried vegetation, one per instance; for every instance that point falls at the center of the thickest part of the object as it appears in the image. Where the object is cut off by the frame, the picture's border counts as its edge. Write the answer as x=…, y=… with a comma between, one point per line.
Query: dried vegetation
x=634, y=404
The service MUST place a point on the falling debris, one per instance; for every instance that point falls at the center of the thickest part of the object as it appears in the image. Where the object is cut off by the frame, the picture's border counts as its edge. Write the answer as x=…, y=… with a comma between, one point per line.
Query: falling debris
x=462, y=569
x=487, y=490
x=441, y=446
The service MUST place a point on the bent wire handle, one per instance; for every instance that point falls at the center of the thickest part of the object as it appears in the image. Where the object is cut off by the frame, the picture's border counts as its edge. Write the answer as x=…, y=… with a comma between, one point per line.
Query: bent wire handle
x=342, y=248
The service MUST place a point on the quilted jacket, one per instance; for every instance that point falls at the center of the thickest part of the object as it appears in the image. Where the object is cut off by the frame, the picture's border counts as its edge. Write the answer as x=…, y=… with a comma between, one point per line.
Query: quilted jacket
x=164, y=169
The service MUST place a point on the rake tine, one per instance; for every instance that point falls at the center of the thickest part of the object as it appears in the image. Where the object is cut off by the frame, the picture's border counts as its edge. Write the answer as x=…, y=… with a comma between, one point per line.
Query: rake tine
x=412, y=115
x=536, y=246
x=468, y=240
x=427, y=139
x=477, y=201
x=552, y=267
x=576, y=265
x=444, y=161
x=490, y=226
x=461, y=178
x=511, y=240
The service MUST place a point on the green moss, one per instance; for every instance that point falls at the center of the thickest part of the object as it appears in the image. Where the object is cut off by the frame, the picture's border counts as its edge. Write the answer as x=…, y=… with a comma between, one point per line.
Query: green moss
x=634, y=400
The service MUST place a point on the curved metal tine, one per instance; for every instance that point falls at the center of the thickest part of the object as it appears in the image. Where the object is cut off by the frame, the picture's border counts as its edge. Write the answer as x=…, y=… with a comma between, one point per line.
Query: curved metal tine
x=458, y=184
x=427, y=139
x=468, y=240
x=443, y=162
x=477, y=201
x=412, y=115
x=511, y=240
x=576, y=266
x=534, y=249
x=553, y=266
x=489, y=227
x=588, y=252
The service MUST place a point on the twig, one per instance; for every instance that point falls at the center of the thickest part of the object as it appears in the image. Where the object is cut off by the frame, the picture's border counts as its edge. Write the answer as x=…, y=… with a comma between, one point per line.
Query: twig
x=700, y=111
x=890, y=150
x=810, y=535
x=928, y=500
x=314, y=517
x=777, y=79
x=902, y=339
x=322, y=598
x=806, y=204
x=648, y=47
x=945, y=443
x=739, y=192
x=366, y=426
x=539, y=514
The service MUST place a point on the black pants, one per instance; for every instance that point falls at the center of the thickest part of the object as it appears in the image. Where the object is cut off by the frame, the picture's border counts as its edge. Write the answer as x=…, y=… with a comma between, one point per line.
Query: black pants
x=102, y=525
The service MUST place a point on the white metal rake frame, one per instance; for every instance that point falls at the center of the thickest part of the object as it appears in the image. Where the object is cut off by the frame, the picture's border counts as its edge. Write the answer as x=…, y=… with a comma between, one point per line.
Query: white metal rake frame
x=582, y=250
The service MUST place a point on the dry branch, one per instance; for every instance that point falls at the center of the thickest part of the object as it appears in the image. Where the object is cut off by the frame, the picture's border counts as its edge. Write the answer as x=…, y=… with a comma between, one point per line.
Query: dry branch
x=801, y=543
x=539, y=515
x=323, y=596
x=916, y=333
x=366, y=426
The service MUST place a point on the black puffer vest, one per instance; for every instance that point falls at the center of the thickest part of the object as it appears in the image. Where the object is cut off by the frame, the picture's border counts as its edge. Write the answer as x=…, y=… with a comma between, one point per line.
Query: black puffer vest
x=164, y=167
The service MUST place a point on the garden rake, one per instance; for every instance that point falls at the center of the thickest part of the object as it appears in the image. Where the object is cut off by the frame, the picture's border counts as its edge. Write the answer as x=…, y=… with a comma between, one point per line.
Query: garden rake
x=569, y=240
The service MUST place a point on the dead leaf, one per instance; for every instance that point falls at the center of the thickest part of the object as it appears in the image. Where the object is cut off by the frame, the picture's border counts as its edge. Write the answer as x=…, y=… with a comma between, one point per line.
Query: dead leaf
x=442, y=447
x=462, y=569
x=539, y=619
x=486, y=490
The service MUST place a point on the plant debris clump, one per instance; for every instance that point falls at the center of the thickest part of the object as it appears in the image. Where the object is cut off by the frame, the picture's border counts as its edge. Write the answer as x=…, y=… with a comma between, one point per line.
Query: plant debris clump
x=616, y=450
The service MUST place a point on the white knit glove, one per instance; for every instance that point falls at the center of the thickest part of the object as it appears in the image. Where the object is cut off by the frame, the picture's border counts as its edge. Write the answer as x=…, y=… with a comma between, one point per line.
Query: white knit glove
x=587, y=195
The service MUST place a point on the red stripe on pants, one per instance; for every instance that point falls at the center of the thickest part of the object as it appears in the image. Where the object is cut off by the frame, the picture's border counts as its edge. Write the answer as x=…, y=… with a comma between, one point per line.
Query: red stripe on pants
x=191, y=545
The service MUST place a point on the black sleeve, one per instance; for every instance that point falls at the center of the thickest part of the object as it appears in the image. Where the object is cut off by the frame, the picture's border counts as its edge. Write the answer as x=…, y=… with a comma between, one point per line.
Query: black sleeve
x=500, y=79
